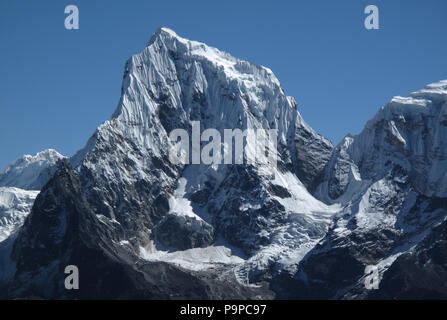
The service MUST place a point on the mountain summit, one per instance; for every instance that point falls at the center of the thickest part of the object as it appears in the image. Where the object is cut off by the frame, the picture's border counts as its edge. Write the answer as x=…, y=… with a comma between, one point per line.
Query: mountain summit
x=128, y=202
x=123, y=213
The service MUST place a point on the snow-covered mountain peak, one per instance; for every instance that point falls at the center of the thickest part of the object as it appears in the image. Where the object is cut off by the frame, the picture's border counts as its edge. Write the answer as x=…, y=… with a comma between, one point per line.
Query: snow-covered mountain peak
x=174, y=81
x=50, y=155
x=123, y=210
x=30, y=172
x=129, y=179
x=434, y=91
x=167, y=39
x=427, y=101
x=164, y=32
x=407, y=133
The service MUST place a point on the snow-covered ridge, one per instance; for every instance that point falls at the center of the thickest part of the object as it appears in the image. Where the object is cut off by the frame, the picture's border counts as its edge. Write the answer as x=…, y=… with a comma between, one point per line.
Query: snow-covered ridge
x=436, y=91
x=30, y=172
x=234, y=67
x=428, y=101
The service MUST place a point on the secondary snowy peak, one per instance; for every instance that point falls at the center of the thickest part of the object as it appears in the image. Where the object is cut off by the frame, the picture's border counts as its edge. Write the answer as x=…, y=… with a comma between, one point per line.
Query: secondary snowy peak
x=391, y=183
x=408, y=132
x=428, y=101
x=30, y=172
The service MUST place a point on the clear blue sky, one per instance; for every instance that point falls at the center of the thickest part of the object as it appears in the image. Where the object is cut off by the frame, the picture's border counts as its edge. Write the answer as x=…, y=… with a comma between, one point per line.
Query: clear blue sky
x=57, y=86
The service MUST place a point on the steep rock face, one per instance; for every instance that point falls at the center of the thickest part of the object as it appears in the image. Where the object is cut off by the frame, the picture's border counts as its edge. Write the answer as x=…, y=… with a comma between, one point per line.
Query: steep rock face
x=390, y=182
x=312, y=154
x=127, y=203
x=63, y=230
x=184, y=232
x=420, y=273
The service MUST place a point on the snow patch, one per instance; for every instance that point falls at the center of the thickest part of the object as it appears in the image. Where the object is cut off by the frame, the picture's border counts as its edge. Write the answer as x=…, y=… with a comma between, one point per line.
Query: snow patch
x=192, y=259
